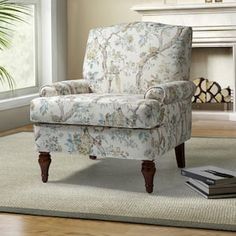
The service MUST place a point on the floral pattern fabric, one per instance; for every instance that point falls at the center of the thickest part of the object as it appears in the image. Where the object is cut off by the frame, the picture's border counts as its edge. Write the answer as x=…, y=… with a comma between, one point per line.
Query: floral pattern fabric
x=140, y=144
x=130, y=58
x=110, y=110
x=171, y=92
x=114, y=110
x=65, y=87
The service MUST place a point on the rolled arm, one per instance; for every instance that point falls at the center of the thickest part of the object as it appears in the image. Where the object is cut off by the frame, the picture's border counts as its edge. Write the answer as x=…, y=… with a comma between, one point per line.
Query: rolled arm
x=171, y=92
x=65, y=87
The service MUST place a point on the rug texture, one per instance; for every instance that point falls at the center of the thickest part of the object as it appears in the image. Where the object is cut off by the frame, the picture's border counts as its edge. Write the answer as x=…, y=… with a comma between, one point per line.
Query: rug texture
x=112, y=189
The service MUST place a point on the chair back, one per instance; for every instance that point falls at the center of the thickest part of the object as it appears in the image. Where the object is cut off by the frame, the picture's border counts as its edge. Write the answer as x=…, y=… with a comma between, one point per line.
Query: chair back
x=130, y=58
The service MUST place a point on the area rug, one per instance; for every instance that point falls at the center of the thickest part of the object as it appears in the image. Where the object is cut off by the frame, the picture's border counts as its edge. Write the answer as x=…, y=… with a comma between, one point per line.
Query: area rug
x=112, y=189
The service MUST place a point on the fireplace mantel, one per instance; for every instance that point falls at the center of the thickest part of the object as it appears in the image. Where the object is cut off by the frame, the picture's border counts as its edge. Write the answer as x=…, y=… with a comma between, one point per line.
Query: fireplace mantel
x=214, y=25
x=176, y=9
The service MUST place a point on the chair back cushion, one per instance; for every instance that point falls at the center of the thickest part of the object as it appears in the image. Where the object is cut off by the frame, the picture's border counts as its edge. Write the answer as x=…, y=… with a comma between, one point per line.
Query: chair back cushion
x=130, y=58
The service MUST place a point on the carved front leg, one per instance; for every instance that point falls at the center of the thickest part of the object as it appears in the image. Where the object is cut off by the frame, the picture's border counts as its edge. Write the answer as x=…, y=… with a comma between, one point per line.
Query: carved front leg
x=148, y=171
x=44, y=163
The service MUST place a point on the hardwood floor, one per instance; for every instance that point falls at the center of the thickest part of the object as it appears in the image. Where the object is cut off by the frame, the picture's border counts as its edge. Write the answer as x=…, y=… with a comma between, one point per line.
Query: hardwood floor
x=19, y=225
x=25, y=225
x=213, y=128
x=28, y=128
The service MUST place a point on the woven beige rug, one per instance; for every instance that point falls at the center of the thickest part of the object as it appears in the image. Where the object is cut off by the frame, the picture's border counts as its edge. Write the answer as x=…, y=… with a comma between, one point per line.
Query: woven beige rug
x=113, y=189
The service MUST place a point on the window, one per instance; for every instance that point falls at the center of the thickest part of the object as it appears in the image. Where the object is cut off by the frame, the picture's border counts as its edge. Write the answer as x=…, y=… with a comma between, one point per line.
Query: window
x=21, y=59
x=38, y=52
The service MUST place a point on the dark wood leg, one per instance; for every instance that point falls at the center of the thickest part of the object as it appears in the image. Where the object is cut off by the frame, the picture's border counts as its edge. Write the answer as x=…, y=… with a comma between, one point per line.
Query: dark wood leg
x=148, y=171
x=44, y=162
x=93, y=157
x=180, y=155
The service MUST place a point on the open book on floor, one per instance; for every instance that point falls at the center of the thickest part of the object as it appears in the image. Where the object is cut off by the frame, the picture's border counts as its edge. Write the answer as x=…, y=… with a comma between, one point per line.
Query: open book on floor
x=211, y=175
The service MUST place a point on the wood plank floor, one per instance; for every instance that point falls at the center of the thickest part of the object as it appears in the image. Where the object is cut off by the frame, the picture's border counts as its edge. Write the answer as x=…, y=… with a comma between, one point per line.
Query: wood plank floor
x=25, y=225
x=213, y=128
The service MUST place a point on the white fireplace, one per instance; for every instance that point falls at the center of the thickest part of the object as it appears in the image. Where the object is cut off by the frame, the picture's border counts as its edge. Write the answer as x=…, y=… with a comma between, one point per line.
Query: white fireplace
x=214, y=42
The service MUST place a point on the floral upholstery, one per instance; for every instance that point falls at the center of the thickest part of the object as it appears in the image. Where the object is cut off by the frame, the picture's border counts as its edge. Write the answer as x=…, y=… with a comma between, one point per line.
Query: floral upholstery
x=139, y=144
x=110, y=110
x=130, y=58
x=134, y=101
x=116, y=110
x=65, y=87
x=171, y=92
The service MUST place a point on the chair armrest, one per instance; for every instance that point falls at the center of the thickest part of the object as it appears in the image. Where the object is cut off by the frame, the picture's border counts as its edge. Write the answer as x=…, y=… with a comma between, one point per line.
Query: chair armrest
x=171, y=92
x=65, y=87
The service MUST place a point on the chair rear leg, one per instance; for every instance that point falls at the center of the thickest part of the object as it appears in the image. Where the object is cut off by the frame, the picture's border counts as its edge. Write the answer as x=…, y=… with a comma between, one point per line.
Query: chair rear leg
x=180, y=155
x=92, y=157
x=44, y=163
x=148, y=171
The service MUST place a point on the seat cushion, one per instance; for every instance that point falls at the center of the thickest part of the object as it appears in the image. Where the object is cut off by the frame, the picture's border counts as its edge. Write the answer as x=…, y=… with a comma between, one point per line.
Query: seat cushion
x=108, y=110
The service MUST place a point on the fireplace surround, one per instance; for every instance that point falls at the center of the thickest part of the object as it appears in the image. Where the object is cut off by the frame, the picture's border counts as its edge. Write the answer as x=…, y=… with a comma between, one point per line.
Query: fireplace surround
x=214, y=32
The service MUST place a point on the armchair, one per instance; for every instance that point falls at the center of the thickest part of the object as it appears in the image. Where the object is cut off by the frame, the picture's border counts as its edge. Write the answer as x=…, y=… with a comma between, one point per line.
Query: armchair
x=134, y=101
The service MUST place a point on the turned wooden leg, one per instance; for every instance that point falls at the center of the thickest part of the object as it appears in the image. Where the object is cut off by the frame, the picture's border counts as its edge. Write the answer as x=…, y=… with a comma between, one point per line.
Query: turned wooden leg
x=92, y=157
x=44, y=162
x=148, y=171
x=180, y=155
